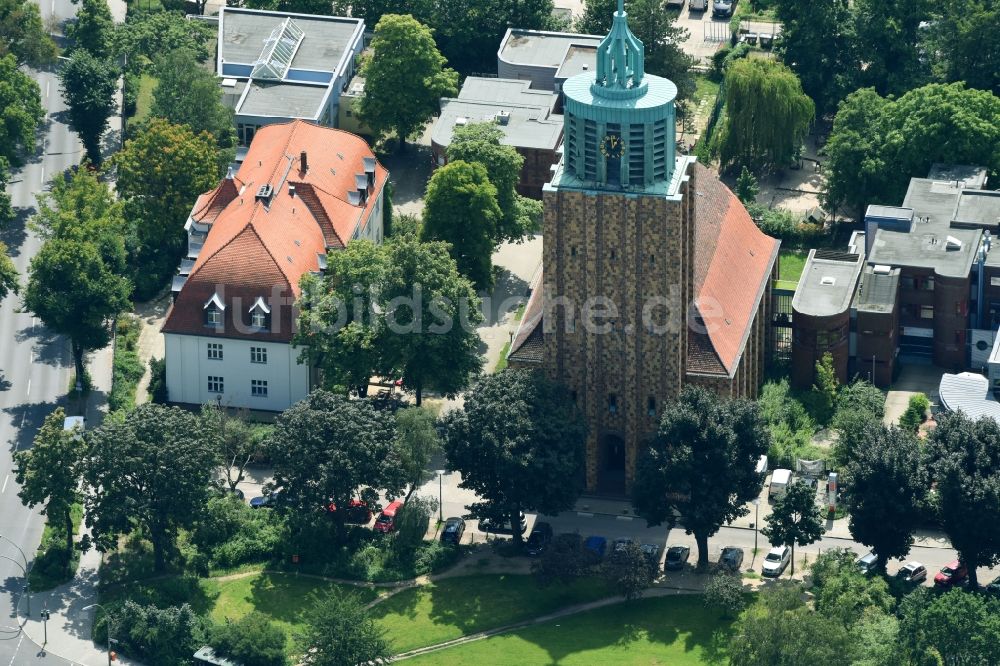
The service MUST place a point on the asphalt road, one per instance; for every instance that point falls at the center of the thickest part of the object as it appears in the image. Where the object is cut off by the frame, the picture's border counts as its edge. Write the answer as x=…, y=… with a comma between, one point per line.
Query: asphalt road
x=34, y=364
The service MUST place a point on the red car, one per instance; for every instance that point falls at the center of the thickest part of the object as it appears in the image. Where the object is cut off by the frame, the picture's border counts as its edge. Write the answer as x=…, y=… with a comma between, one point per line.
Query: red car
x=952, y=574
x=386, y=521
x=357, y=512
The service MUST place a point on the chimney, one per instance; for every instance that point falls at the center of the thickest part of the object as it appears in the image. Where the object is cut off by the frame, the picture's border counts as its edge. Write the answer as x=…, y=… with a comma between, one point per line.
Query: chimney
x=291, y=190
x=303, y=162
x=229, y=173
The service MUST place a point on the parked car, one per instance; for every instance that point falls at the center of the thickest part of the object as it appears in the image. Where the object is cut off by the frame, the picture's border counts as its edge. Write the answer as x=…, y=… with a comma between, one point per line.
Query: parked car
x=357, y=512
x=266, y=501
x=386, y=521
x=621, y=543
x=866, y=563
x=723, y=7
x=652, y=553
x=776, y=561
x=780, y=479
x=731, y=558
x=677, y=557
x=224, y=490
x=912, y=573
x=952, y=574
x=452, y=531
x=596, y=545
x=502, y=525
x=993, y=587
x=675, y=4
x=538, y=541
x=697, y=5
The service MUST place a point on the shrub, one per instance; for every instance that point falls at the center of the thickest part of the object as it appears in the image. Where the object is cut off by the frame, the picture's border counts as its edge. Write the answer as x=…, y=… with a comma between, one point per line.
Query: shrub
x=230, y=533
x=251, y=641
x=158, y=380
x=434, y=556
x=411, y=524
x=724, y=591
x=916, y=412
x=126, y=369
x=157, y=636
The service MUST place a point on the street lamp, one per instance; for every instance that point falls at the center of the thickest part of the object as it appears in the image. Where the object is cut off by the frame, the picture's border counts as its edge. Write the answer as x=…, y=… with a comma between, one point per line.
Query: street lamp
x=756, y=514
x=27, y=585
x=440, y=473
x=108, y=616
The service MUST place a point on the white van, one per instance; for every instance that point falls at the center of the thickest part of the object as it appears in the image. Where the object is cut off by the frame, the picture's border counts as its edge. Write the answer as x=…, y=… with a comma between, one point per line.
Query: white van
x=779, y=483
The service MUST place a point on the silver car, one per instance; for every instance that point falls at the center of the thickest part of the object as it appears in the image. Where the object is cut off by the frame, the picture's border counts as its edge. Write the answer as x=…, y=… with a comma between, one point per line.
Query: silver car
x=723, y=7
x=776, y=561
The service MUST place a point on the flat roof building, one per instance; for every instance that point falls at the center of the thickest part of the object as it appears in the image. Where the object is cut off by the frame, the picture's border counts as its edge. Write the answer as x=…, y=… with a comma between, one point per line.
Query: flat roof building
x=544, y=58
x=277, y=66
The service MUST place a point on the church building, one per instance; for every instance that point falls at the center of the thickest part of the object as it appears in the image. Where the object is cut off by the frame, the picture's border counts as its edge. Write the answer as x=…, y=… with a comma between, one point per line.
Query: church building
x=653, y=277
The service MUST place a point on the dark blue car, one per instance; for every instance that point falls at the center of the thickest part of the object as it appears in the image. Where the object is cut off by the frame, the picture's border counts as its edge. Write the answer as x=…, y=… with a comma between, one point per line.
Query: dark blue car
x=596, y=545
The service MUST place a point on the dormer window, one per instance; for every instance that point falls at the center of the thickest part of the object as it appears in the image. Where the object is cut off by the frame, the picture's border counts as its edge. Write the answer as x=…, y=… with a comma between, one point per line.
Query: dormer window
x=260, y=314
x=214, y=309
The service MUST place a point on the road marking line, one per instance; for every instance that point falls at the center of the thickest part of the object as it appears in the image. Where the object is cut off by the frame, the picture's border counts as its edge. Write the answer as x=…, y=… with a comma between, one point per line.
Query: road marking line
x=29, y=387
x=583, y=514
x=42, y=179
x=18, y=648
x=6, y=479
x=623, y=518
x=48, y=82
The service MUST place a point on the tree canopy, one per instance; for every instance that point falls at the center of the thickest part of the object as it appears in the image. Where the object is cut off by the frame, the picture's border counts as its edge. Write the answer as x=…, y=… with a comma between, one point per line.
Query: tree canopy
x=89, y=86
x=23, y=34
x=417, y=441
x=154, y=34
x=956, y=627
x=702, y=463
x=93, y=30
x=518, y=442
x=767, y=114
x=8, y=274
x=152, y=468
x=962, y=38
x=460, y=208
x=405, y=78
x=964, y=463
x=795, y=519
x=20, y=112
x=339, y=631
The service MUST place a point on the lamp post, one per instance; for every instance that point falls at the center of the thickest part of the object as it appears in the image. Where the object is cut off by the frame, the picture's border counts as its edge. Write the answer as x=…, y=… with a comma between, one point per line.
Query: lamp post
x=106, y=615
x=27, y=585
x=440, y=473
x=756, y=514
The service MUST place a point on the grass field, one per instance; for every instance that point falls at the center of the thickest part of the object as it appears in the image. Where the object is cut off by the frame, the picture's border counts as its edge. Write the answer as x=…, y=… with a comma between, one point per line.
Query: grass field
x=704, y=88
x=792, y=263
x=674, y=631
x=144, y=101
x=454, y=607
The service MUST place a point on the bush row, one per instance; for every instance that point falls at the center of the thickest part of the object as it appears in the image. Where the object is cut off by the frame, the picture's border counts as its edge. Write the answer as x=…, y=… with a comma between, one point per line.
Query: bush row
x=127, y=369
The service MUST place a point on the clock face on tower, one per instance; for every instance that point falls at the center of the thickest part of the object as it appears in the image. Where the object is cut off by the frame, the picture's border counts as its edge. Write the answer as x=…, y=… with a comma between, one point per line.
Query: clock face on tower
x=612, y=146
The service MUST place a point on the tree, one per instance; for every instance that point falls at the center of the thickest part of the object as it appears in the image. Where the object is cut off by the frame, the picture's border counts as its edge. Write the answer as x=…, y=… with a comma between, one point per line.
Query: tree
x=293, y=6
x=431, y=313
x=49, y=472
x=340, y=327
x=519, y=443
x=236, y=441
x=339, y=631
x=888, y=36
x=824, y=391
x=795, y=519
x=253, y=640
x=915, y=414
x=89, y=86
x=951, y=628
x=153, y=34
x=460, y=208
x=373, y=10
x=150, y=469
x=411, y=525
x=189, y=94
x=859, y=405
x=74, y=293
x=778, y=629
x=405, y=78
x=628, y=571
x=562, y=562
x=23, y=34
x=847, y=596
x=479, y=143
x=328, y=449
x=93, y=28
x=8, y=274
x=702, y=464
x=747, y=188
x=962, y=43
x=819, y=43
x=6, y=211
x=724, y=592
x=965, y=466
x=161, y=172
x=20, y=112
x=417, y=441
x=159, y=636
x=767, y=114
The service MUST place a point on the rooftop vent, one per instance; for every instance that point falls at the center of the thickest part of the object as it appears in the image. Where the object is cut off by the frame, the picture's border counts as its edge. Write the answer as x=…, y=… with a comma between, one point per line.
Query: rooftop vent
x=228, y=83
x=303, y=162
x=503, y=117
x=264, y=193
x=828, y=281
x=881, y=269
x=586, y=67
x=952, y=243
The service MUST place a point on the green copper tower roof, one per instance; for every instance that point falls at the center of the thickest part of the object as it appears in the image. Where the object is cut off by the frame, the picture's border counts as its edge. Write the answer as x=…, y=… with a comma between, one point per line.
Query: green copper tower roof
x=618, y=120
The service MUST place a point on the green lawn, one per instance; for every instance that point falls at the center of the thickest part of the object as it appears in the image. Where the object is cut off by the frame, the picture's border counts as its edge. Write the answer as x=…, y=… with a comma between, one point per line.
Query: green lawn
x=144, y=101
x=454, y=607
x=704, y=88
x=792, y=263
x=667, y=630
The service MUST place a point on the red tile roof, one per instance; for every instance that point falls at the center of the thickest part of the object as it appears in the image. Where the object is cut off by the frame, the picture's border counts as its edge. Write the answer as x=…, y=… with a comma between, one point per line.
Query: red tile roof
x=528, y=344
x=254, y=249
x=732, y=266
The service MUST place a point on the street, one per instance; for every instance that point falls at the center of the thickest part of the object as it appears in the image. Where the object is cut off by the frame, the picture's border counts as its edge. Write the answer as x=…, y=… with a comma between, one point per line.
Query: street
x=34, y=365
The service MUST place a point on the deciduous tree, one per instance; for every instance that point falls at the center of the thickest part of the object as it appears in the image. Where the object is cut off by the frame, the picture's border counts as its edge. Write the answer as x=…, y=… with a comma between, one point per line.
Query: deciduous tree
x=23, y=34
x=965, y=466
x=152, y=468
x=20, y=112
x=49, y=472
x=88, y=86
x=8, y=274
x=724, y=591
x=963, y=43
x=628, y=570
x=328, y=449
x=405, y=77
x=339, y=631
x=747, y=188
x=236, y=440
x=702, y=463
x=417, y=441
x=795, y=519
x=951, y=628
x=93, y=29
x=74, y=293
x=153, y=34
x=252, y=640
x=767, y=114
x=888, y=36
x=461, y=209
x=518, y=443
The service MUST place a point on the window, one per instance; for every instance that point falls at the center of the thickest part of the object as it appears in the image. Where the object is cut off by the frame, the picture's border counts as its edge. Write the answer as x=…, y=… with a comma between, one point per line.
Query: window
x=216, y=384
x=258, y=388
x=260, y=314
x=213, y=316
x=572, y=251
x=651, y=406
x=215, y=351
x=612, y=403
x=572, y=395
x=258, y=355
x=612, y=255
x=927, y=312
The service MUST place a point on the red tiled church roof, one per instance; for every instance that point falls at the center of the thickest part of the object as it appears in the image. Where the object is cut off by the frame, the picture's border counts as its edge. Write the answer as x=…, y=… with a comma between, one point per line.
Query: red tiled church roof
x=261, y=250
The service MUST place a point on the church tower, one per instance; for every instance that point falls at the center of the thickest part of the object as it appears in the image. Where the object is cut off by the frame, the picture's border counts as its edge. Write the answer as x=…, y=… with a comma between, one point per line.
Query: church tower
x=618, y=255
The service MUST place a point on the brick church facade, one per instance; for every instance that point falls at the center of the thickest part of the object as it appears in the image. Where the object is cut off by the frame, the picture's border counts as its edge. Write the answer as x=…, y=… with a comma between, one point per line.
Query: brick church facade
x=654, y=275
